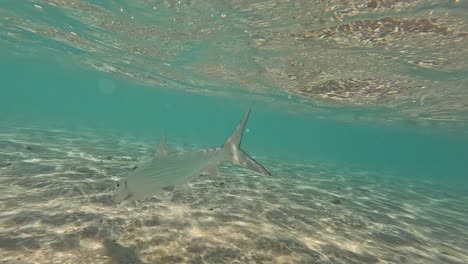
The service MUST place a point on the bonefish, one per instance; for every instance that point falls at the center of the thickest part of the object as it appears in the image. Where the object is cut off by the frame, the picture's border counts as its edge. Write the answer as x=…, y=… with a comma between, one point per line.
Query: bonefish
x=169, y=169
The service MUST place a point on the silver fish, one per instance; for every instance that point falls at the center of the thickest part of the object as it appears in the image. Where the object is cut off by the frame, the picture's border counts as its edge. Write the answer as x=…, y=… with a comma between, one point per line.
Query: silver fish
x=168, y=169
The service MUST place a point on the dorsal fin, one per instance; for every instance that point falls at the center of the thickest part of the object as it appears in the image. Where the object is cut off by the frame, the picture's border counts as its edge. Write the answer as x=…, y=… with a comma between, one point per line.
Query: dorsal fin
x=161, y=149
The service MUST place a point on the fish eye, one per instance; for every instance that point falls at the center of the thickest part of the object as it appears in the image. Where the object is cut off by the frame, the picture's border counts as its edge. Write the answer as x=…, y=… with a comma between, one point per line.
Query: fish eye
x=118, y=184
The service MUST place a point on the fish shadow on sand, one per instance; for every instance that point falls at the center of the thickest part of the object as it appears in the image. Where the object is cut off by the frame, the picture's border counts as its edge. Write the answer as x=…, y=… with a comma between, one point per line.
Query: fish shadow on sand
x=120, y=254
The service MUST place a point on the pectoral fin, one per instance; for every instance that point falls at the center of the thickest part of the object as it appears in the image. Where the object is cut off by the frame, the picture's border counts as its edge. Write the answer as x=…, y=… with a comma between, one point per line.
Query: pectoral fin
x=161, y=149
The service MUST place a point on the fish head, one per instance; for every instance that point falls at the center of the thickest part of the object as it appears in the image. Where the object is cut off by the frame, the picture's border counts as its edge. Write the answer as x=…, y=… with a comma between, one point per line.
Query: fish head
x=121, y=191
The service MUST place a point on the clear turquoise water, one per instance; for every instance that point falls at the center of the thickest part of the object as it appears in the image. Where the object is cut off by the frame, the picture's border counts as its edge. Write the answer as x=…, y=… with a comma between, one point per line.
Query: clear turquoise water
x=397, y=164
x=73, y=98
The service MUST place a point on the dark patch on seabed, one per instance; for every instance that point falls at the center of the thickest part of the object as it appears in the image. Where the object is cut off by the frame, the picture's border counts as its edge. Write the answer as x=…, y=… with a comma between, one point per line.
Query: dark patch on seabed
x=56, y=207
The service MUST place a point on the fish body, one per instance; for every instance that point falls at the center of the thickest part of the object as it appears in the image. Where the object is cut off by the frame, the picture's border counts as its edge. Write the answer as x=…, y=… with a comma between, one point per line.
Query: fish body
x=168, y=168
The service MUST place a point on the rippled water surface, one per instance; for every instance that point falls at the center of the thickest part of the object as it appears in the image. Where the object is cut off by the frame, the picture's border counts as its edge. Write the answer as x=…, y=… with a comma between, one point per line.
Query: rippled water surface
x=404, y=60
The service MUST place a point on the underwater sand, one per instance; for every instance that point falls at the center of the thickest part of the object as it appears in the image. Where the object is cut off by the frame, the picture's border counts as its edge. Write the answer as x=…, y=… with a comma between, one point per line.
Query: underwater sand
x=56, y=207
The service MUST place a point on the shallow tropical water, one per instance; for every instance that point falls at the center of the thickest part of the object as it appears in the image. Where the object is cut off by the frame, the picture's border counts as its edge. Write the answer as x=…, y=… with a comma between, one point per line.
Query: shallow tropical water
x=359, y=113
x=57, y=207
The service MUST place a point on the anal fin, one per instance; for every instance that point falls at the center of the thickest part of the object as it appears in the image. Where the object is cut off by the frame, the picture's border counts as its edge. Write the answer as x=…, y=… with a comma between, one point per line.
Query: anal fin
x=211, y=171
x=168, y=188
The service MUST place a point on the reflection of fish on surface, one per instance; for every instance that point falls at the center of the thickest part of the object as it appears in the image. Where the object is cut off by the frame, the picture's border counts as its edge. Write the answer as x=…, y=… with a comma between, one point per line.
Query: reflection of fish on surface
x=168, y=169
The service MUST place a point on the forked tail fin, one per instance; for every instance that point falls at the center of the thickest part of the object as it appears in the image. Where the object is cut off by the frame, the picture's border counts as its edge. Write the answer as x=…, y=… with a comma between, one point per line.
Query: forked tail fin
x=236, y=155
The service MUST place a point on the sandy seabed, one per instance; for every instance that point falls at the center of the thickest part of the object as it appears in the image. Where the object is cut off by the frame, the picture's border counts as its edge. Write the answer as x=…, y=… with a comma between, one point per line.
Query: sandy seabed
x=56, y=207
